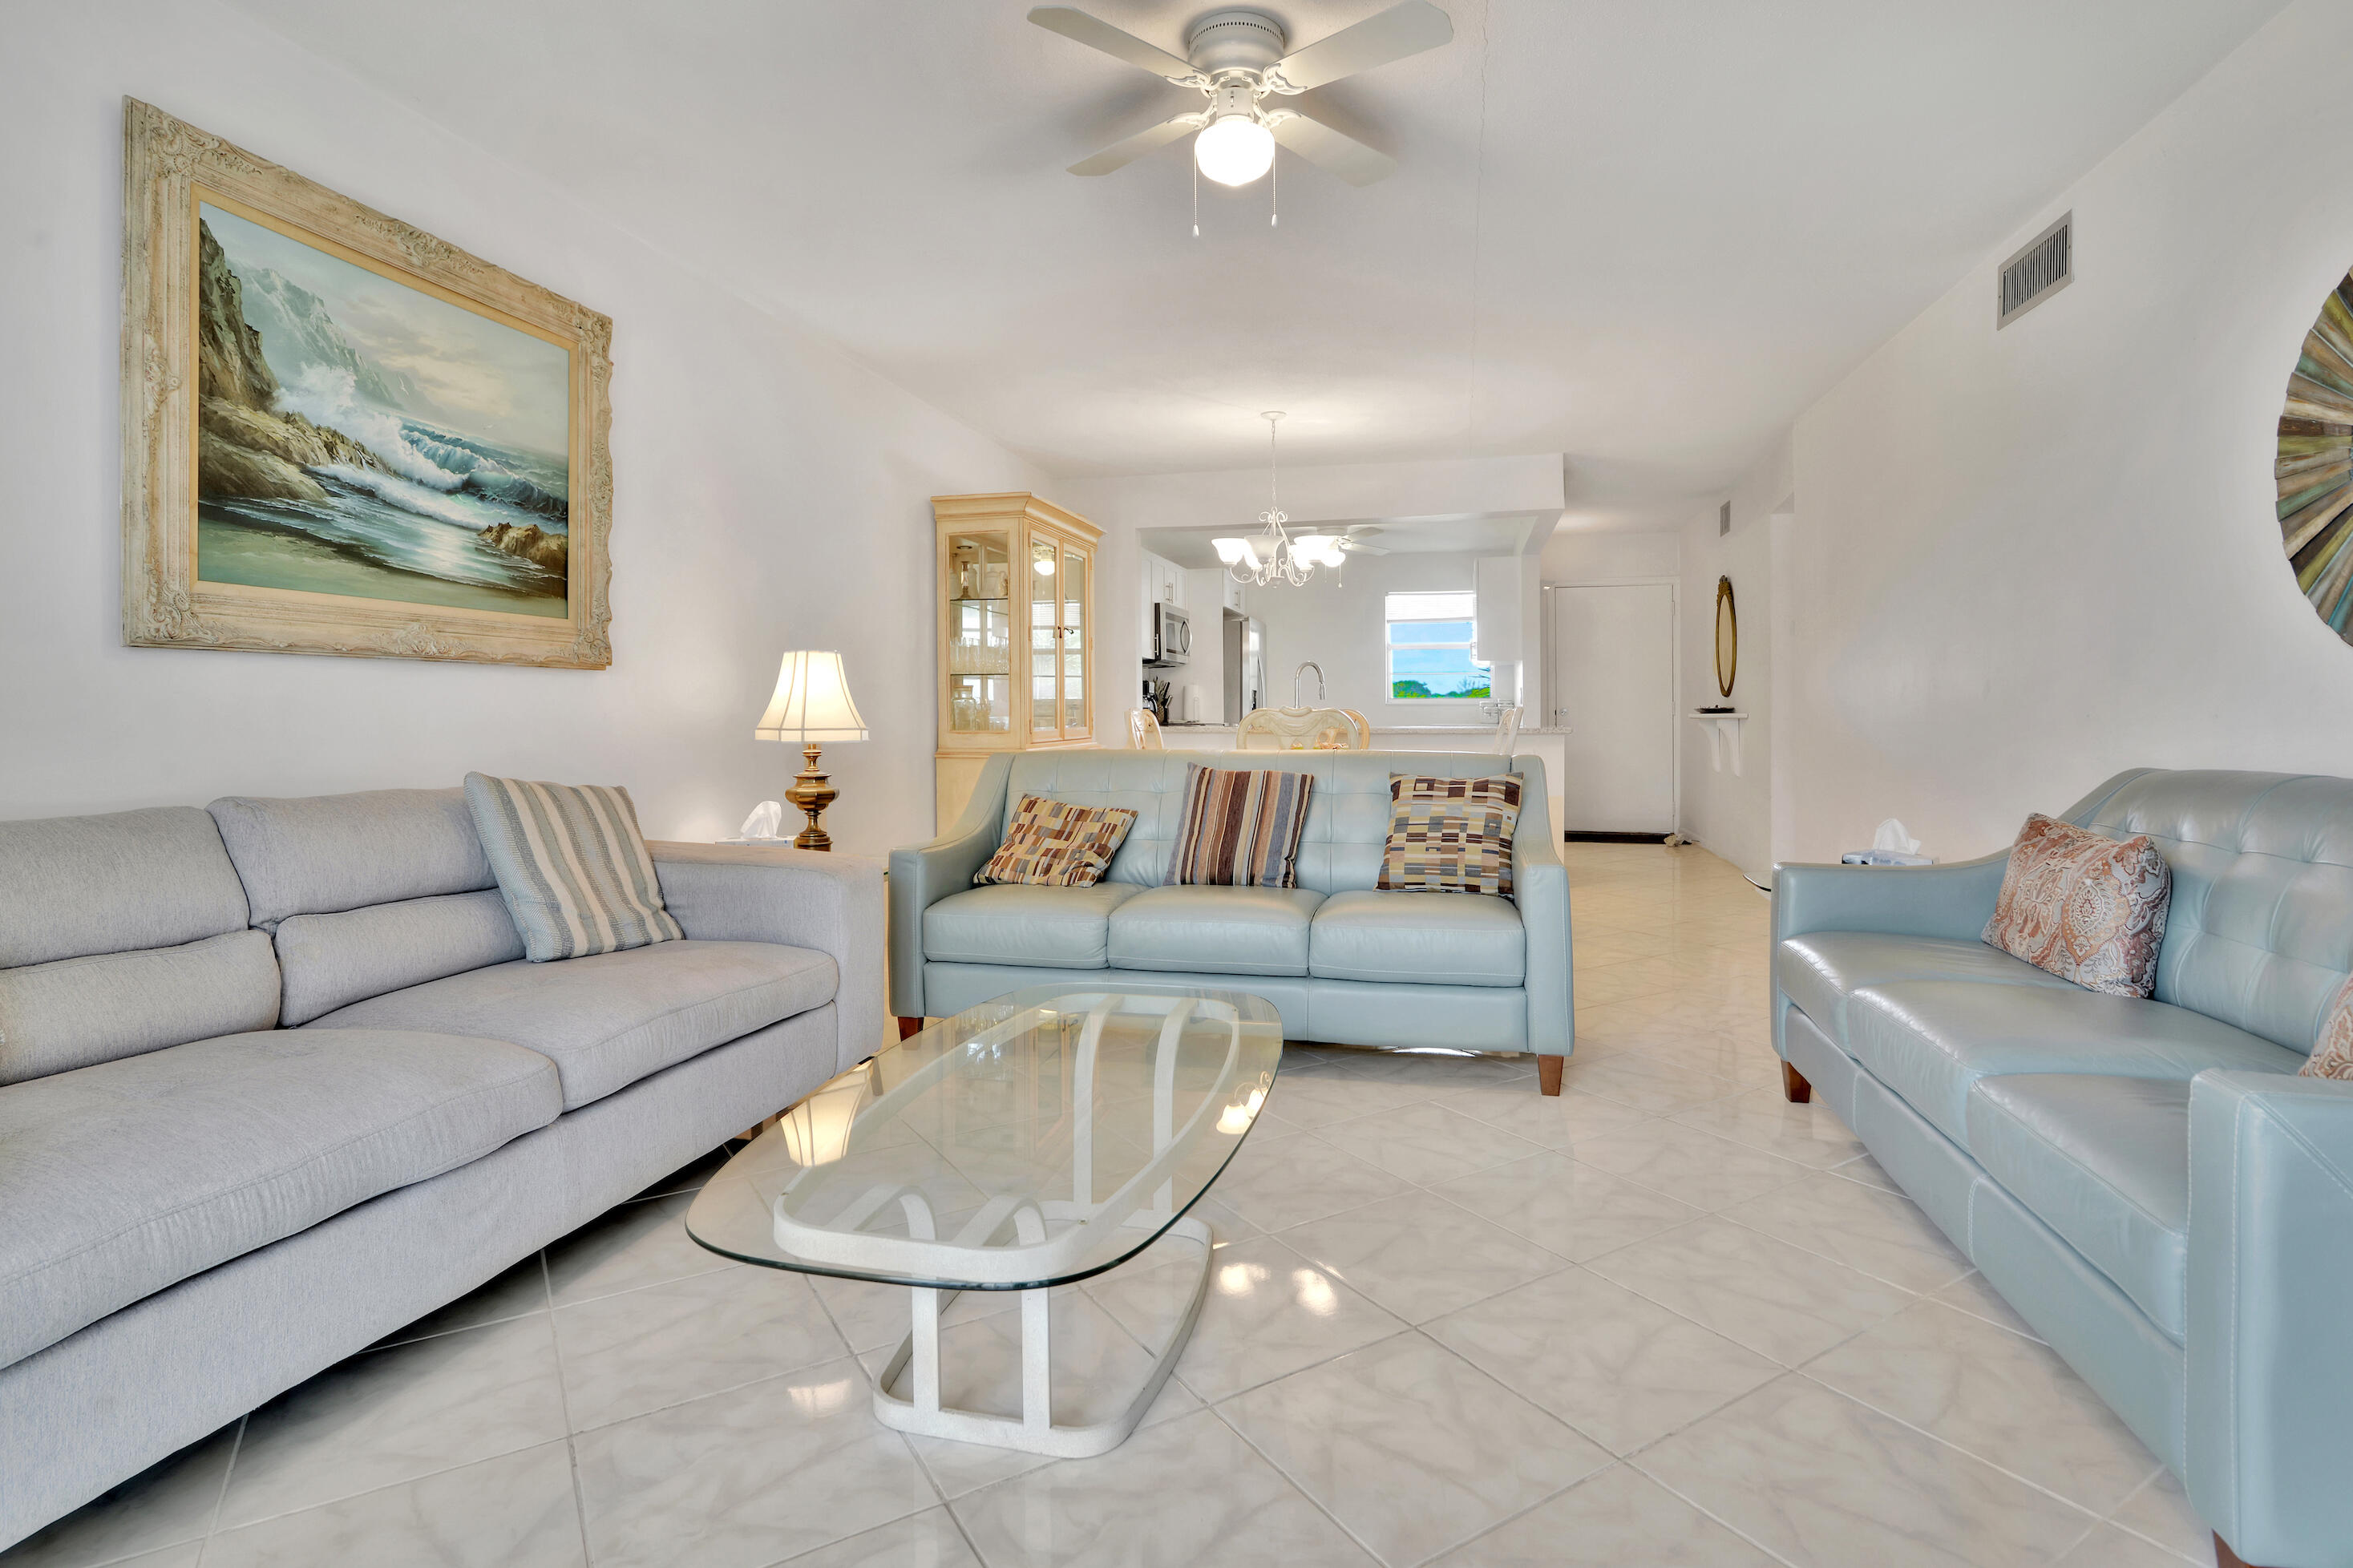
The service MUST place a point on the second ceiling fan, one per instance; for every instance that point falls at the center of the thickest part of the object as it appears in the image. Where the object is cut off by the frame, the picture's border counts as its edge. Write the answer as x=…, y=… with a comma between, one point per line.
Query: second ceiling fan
x=1238, y=61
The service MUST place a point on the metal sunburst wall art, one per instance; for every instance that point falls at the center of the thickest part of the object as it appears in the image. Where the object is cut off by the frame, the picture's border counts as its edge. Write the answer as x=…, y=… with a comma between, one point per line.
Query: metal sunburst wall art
x=2315, y=463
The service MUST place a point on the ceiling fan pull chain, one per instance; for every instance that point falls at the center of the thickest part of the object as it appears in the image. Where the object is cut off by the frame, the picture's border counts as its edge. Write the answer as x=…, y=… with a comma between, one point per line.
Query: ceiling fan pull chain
x=1273, y=192
x=1197, y=201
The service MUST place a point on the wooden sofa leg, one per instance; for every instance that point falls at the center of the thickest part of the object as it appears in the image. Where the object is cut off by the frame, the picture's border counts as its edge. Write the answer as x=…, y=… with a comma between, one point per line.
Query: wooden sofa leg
x=1548, y=1073
x=908, y=1027
x=1794, y=1086
x=2226, y=1558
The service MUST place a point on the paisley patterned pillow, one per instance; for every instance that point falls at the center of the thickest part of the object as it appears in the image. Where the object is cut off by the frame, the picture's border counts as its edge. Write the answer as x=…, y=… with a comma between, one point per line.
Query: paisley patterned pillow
x=2332, y=1054
x=2087, y=908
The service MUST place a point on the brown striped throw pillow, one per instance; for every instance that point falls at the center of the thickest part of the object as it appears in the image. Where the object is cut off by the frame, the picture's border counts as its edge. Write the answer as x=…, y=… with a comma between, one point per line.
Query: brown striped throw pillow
x=1239, y=828
x=1451, y=835
x=571, y=865
x=1053, y=844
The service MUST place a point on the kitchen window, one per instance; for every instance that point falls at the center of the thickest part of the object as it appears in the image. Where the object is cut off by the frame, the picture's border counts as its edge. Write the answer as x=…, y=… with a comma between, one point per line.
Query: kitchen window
x=1429, y=657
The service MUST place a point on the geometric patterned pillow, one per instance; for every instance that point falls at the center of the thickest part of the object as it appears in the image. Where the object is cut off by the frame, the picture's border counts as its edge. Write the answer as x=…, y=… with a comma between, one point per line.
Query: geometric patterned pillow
x=1451, y=835
x=1052, y=844
x=2083, y=906
x=2332, y=1054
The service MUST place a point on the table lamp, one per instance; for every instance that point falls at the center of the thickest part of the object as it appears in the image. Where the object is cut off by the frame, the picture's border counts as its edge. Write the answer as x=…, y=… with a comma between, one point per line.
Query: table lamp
x=811, y=706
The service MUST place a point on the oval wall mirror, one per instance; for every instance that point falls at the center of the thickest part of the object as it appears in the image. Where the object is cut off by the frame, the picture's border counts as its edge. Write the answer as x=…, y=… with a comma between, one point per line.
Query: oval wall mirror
x=1727, y=637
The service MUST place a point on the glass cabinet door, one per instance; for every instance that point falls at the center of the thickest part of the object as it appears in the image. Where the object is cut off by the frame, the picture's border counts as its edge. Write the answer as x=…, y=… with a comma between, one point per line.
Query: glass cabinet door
x=1076, y=721
x=1045, y=640
x=979, y=633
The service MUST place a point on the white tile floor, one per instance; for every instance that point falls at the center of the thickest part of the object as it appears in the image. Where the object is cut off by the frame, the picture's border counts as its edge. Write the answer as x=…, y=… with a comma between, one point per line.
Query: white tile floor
x=1666, y=1319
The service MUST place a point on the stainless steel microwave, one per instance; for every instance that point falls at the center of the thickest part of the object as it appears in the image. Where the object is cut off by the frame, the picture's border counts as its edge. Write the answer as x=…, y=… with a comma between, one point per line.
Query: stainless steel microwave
x=1172, y=638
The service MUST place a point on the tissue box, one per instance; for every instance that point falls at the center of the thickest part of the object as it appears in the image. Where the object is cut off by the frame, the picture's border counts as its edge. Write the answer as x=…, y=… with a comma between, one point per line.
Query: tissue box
x=1885, y=857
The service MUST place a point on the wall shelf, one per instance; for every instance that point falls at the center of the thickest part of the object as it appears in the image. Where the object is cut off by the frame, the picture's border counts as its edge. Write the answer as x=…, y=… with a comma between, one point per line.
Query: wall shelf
x=1724, y=736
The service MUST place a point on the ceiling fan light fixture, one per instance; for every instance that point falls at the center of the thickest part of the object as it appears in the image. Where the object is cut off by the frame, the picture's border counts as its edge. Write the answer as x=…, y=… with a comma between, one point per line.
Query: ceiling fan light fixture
x=1230, y=550
x=1234, y=149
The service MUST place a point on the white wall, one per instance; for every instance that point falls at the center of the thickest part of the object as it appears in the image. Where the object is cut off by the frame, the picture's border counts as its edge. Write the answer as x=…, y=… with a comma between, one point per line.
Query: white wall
x=2025, y=560
x=770, y=492
x=1610, y=557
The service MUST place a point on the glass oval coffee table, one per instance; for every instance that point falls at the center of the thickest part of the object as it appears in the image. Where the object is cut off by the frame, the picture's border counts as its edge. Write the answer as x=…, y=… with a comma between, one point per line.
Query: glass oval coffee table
x=1028, y=1142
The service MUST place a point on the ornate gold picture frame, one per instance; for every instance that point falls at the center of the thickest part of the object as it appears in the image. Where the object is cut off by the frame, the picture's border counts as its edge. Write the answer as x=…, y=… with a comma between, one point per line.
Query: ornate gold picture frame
x=343, y=436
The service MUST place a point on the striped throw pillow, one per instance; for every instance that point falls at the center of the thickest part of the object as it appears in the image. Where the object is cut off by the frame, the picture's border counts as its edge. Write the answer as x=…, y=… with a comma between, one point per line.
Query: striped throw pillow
x=571, y=866
x=1451, y=835
x=1239, y=828
x=1053, y=844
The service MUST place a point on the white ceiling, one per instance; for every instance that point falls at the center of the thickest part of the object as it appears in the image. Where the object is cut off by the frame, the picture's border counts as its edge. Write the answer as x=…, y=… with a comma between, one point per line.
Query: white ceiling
x=1642, y=234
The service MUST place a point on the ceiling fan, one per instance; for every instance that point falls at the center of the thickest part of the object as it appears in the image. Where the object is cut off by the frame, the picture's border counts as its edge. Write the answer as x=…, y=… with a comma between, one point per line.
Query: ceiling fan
x=1237, y=61
x=1352, y=542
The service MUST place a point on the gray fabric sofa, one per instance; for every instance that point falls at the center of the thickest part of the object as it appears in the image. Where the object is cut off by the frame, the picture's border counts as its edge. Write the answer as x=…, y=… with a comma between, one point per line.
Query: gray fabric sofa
x=276, y=1080
x=1346, y=963
x=2149, y=1183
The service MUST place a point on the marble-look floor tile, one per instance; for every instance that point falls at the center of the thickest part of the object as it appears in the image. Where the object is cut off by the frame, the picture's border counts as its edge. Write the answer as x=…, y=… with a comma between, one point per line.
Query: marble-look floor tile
x=747, y=1478
x=1623, y=1371
x=513, y=1511
x=1821, y=1480
x=1867, y=1171
x=1184, y=1493
x=1419, y=1255
x=1810, y=1134
x=1689, y=1165
x=1288, y=1181
x=1549, y=1121
x=690, y=1177
x=1753, y=1290
x=925, y=1540
x=2108, y=1547
x=170, y=1502
x=392, y=1415
x=1565, y=1205
x=1424, y=1143
x=1881, y=1234
x=871, y=1315
x=1974, y=1293
x=1270, y=1312
x=520, y=1289
x=1408, y=1447
x=2007, y=1399
x=1632, y=1082
x=627, y=1354
x=2160, y=1511
x=1616, y=1519
x=637, y=1244
x=1311, y=1099
x=1434, y=1072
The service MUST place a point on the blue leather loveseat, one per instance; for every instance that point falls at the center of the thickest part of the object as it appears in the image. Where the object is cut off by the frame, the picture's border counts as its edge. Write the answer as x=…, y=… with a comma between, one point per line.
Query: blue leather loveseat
x=1347, y=963
x=2147, y=1183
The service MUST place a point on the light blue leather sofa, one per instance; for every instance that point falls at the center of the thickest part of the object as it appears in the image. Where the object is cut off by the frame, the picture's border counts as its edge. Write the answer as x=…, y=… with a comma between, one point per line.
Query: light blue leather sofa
x=275, y=1080
x=1347, y=963
x=2147, y=1183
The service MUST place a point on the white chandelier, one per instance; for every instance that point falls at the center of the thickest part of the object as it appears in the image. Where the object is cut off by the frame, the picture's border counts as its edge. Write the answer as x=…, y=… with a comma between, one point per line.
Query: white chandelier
x=1277, y=555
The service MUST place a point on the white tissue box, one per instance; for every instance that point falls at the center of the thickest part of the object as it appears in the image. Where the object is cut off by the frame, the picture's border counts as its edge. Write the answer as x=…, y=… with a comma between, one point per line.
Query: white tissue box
x=1885, y=857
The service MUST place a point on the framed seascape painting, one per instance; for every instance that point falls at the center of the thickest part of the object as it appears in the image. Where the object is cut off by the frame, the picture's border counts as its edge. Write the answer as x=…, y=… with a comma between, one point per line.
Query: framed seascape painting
x=343, y=436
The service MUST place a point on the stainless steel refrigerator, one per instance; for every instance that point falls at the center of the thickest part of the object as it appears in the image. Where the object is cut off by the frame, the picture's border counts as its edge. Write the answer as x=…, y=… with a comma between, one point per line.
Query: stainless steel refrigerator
x=1245, y=665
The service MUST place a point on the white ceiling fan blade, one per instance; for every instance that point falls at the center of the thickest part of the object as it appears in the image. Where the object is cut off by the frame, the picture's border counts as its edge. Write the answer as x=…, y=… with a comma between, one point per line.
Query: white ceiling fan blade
x=1357, y=547
x=1120, y=154
x=1082, y=28
x=1329, y=149
x=1399, y=31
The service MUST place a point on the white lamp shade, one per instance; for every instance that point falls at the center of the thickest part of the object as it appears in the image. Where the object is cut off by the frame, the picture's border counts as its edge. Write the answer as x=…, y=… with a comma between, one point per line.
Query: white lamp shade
x=1229, y=550
x=812, y=702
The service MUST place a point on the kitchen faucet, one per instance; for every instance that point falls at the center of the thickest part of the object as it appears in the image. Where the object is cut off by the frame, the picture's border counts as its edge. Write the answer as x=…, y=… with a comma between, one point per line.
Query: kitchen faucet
x=1305, y=666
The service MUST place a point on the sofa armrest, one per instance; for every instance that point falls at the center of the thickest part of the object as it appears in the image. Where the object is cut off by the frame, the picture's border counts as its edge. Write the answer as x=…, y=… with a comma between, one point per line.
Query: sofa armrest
x=1953, y=901
x=923, y=874
x=1540, y=888
x=2271, y=1275
x=802, y=898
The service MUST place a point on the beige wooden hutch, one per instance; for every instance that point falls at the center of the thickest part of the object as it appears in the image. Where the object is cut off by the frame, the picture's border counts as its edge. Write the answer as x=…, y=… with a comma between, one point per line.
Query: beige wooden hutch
x=1016, y=628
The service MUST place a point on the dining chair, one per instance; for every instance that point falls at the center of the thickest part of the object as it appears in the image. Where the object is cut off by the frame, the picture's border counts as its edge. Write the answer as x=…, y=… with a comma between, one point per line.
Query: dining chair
x=1508, y=729
x=1303, y=730
x=1144, y=731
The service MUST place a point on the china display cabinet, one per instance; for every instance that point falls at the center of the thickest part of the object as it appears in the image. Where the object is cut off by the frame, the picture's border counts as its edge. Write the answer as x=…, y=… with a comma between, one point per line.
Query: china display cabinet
x=1017, y=591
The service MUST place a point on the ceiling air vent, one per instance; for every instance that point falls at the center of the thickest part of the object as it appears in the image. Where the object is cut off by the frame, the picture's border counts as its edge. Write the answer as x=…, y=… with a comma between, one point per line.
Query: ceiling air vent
x=2045, y=266
x=1724, y=519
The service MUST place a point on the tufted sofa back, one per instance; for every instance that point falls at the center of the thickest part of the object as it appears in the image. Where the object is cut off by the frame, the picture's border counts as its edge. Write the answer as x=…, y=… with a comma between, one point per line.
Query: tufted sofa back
x=1347, y=809
x=2260, y=933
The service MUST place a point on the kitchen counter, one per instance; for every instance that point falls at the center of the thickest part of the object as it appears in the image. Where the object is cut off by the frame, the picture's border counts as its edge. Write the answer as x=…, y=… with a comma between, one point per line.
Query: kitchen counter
x=1545, y=744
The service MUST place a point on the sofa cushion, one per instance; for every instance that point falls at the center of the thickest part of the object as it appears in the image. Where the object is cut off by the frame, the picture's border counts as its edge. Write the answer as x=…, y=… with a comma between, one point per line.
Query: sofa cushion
x=1014, y=922
x=331, y=960
x=1451, y=835
x=70, y=885
x=1820, y=971
x=131, y=1176
x=315, y=854
x=1929, y=1040
x=1426, y=939
x=2088, y=908
x=573, y=866
x=2105, y=1161
x=612, y=1019
x=1053, y=844
x=1214, y=931
x=77, y=1012
x=1239, y=828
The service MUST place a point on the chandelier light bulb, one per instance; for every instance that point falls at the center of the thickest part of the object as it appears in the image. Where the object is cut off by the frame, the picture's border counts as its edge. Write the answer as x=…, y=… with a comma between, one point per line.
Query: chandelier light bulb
x=1234, y=149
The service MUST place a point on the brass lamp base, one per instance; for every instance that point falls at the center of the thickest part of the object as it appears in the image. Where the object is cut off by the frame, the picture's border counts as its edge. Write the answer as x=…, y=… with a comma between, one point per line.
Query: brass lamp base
x=812, y=792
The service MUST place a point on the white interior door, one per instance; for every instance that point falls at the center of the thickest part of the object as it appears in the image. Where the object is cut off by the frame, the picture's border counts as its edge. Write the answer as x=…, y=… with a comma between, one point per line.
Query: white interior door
x=1613, y=689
